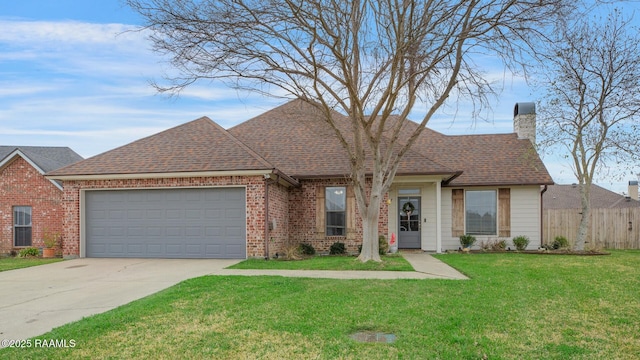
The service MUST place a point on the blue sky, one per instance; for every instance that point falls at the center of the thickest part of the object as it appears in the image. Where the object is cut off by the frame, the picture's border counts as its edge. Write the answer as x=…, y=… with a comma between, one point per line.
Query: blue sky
x=71, y=75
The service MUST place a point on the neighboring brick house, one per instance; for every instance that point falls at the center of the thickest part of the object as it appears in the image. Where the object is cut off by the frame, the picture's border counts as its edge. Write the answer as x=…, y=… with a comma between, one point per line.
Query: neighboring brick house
x=29, y=203
x=281, y=178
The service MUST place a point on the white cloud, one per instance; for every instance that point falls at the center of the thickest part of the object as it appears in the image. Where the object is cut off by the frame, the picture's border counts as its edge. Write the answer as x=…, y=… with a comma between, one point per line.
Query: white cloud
x=48, y=34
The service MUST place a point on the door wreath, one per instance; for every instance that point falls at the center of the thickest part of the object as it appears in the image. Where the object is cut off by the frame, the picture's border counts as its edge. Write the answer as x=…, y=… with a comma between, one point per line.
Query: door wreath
x=408, y=208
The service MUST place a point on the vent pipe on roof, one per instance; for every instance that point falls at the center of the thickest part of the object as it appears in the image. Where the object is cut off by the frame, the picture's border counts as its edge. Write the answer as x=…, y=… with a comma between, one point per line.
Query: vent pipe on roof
x=633, y=189
x=524, y=121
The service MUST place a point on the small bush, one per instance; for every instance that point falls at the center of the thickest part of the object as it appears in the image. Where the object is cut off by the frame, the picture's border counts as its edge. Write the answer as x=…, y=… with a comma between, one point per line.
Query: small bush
x=383, y=245
x=520, y=242
x=337, y=248
x=560, y=242
x=485, y=245
x=307, y=249
x=467, y=241
x=499, y=245
x=493, y=245
x=31, y=251
x=292, y=253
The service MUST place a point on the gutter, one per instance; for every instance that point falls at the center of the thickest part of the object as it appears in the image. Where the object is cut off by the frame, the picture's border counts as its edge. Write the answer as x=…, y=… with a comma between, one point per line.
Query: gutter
x=268, y=180
x=452, y=177
x=285, y=177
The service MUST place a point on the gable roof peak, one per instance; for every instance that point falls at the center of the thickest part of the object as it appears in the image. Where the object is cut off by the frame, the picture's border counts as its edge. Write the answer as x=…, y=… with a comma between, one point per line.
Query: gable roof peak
x=199, y=145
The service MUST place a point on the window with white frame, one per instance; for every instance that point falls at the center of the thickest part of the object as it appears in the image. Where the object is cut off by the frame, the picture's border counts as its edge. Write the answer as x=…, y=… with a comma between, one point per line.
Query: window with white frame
x=481, y=212
x=336, y=210
x=22, y=226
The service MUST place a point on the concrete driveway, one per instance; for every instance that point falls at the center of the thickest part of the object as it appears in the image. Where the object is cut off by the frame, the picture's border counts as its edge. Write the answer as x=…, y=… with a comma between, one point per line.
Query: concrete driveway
x=37, y=299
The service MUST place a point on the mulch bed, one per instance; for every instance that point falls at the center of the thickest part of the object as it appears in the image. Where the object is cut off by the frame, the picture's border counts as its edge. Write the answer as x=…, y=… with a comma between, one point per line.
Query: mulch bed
x=541, y=252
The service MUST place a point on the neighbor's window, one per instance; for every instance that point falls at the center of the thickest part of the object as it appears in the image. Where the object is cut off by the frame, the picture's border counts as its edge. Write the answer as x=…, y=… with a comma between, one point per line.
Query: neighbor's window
x=335, y=207
x=481, y=210
x=22, y=226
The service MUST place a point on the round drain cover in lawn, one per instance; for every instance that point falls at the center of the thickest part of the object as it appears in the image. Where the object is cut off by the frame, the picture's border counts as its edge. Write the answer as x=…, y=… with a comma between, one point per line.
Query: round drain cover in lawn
x=373, y=337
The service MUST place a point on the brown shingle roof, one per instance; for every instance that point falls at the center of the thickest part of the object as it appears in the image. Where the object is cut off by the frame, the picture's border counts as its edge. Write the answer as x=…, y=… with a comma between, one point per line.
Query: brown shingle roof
x=199, y=145
x=296, y=138
x=568, y=197
x=493, y=159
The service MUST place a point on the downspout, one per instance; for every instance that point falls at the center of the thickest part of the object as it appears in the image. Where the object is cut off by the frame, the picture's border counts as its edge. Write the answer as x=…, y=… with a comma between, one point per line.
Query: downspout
x=542, y=214
x=266, y=216
x=268, y=180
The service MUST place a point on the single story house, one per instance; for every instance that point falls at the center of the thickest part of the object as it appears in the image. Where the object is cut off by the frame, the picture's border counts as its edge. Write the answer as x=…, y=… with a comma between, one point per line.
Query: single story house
x=281, y=178
x=30, y=204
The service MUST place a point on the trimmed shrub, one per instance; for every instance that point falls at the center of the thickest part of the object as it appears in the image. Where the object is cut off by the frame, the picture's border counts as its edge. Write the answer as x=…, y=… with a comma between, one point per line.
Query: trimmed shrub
x=31, y=251
x=467, y=240
x=337, y=248
x=520, y=242
x=560, y=242
x=383, y=245
x=307, y=249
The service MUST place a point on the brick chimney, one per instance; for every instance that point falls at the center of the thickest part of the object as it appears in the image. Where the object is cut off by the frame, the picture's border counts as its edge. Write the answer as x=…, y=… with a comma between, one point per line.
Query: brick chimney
x=524, y=121
x=633, y=189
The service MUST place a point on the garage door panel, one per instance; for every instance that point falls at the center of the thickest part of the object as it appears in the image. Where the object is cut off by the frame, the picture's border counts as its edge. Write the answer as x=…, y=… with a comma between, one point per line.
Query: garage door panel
x=154, y=250
x=174, y=223
x=154, y=231
x=115, y=232
x=233, y=231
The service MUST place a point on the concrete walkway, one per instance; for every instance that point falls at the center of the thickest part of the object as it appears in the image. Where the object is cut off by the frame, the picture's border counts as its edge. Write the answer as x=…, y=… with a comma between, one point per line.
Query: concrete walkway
x=426, y=266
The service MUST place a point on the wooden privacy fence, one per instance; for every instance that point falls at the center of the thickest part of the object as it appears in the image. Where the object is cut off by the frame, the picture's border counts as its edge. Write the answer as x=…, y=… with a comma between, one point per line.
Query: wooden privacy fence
x=608, y=228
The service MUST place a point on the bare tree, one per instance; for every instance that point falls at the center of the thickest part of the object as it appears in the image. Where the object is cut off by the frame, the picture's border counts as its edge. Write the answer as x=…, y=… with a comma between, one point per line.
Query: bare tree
x=593, y=103
x=365, y=59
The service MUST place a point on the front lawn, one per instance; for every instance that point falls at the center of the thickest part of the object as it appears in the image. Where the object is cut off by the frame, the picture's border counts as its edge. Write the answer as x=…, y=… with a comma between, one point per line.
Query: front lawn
x=389, y=263
x=10, y=263
x=515, y=306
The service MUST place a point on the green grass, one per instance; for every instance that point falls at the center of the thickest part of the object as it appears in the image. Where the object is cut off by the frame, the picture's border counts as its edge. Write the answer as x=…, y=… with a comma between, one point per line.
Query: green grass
x=515, y=306
x=10, y=263
x=389, y=263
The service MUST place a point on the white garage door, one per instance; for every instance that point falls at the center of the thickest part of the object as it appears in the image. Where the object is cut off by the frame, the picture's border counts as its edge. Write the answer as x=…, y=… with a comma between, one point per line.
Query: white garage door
x=166, y=223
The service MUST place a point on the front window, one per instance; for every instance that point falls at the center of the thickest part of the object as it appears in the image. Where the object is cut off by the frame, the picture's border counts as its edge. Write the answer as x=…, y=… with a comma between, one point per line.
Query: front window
x=481, y=210
x=22, y=226
x=335, y=207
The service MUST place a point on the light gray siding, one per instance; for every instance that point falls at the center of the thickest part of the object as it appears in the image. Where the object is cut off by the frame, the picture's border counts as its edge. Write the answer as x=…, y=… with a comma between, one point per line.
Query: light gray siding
x=525, y=217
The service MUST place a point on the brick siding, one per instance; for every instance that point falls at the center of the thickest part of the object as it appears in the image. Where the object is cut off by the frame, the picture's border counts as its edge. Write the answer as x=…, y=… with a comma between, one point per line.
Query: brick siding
x=302, y=220
x=22, y=185
x=279, y=217
x=291, y=210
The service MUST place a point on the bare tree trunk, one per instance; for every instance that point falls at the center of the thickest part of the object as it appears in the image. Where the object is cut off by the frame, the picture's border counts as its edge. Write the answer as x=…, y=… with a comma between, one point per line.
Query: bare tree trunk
x=584, y=220
x=369, y=208
x=370, y=244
